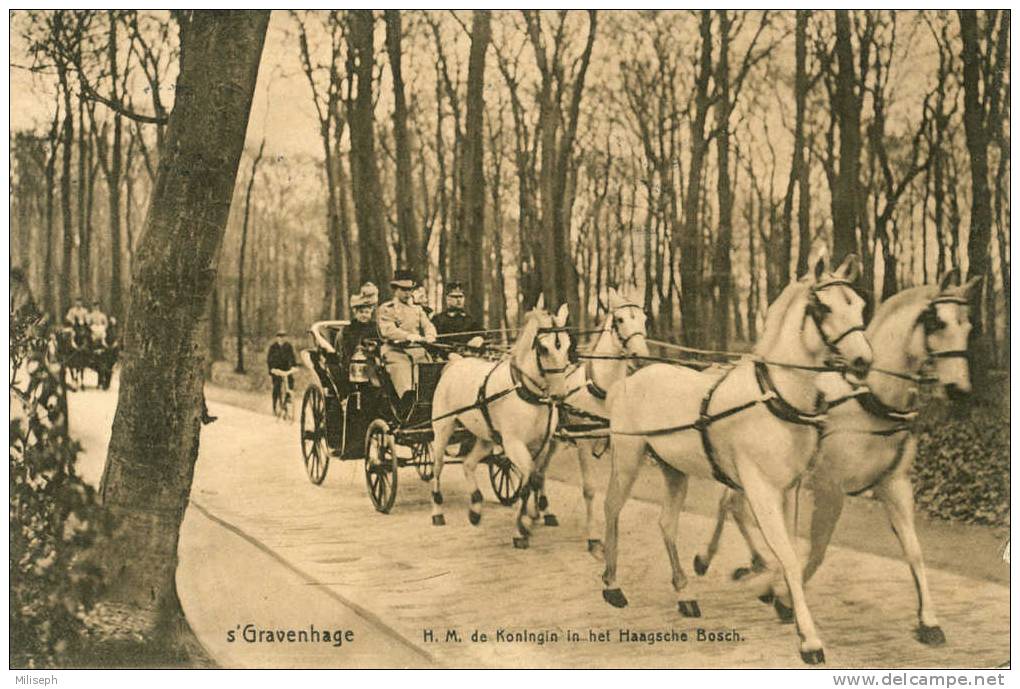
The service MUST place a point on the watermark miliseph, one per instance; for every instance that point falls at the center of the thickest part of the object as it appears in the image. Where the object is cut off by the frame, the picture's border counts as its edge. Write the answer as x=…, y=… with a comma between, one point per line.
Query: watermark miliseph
x=36, y=679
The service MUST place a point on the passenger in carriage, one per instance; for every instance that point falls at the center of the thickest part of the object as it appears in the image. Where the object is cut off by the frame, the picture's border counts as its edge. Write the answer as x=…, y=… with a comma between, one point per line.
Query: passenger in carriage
x=403, y=324
x=455, y=319
x=77, y=314
x=362, y=327
x=97, y=323
x=371, y=294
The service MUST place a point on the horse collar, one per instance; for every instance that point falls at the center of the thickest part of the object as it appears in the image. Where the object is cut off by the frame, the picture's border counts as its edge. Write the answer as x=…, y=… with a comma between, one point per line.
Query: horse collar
x=520, y=380
x=594, y=388
x=780, y=407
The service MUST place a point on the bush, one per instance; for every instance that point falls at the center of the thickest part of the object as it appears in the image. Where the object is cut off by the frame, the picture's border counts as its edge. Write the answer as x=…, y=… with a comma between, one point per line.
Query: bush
x=54, y=516
x=962, y=467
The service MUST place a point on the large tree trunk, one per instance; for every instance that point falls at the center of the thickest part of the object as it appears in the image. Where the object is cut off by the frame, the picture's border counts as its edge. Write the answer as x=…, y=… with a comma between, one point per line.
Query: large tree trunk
x=467, y=248
x=154, y=442
x=372, y=242
x=847, y=109
x=975, y=122
x=407, y=225
x=690, y=239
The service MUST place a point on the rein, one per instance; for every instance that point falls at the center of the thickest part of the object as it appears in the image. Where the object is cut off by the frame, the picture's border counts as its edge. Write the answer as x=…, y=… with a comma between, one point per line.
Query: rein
x=770, y=396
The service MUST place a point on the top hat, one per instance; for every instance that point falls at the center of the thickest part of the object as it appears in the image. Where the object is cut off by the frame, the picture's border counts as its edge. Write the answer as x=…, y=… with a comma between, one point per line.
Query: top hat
x=403, y=279
x=455, y=288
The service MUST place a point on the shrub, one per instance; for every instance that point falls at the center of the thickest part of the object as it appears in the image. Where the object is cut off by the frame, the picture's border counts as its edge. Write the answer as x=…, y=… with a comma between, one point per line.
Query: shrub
x=962, y=466
x=54, y=516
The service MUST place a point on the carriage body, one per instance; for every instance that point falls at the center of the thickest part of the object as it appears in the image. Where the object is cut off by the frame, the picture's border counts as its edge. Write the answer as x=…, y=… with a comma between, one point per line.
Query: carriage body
x=346, y=420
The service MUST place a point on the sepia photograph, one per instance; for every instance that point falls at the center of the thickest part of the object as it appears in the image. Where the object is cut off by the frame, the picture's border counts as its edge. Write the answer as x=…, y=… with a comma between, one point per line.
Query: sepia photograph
x=510, y=339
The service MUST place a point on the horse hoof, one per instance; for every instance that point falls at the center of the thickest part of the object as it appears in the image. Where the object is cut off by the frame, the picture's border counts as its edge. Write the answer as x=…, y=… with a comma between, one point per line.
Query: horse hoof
x=816, y=657
x=550, y=520
x=767, y=598
x=520, y=542
x=742, y=572
x=700, y=566
x=438, y=520
x=474, y=518
x=688, y=608
x=595, y=547
x=614, y=597
x=931, y=636
x=784, y=613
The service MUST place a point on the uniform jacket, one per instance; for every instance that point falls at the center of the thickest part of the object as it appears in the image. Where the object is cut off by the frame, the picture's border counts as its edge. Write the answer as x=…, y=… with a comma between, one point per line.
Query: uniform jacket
x=399, y=321
x=454, y=321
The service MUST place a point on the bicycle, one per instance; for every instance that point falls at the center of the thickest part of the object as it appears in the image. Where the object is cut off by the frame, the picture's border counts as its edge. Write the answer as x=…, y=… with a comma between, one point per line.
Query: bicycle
x=283, y=403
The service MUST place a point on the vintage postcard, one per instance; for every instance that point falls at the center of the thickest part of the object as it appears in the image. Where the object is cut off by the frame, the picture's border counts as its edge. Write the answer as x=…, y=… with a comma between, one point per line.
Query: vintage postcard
x=510, y=339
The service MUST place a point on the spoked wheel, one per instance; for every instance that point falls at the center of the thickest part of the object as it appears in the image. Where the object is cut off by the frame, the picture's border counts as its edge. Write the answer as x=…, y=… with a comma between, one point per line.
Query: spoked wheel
x=506, y=479
x=423, y=462
x=313, y=435
x=380, y=466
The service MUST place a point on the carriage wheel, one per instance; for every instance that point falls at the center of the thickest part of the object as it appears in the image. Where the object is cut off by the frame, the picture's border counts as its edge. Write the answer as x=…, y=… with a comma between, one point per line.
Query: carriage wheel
x=313, y=435
x=423, y=462
x=506, y=479
x=380, y=466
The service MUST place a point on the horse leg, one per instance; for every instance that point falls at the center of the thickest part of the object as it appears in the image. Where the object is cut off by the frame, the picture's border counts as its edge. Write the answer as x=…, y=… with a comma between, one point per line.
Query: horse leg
x=703, y=562
x=442, y=430
x=626, y=457
x=897, y=496
x=766, y=502
x=518, y=453
x=481, y=448
x=752, y=537
x=672, y=504
x=584, y=459
x=541, y=500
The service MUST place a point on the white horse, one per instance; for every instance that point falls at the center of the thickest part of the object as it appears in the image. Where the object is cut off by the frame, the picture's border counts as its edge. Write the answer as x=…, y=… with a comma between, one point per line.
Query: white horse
x=623, y=333
x=510, y=403
x=754, y=427
x=869, y=442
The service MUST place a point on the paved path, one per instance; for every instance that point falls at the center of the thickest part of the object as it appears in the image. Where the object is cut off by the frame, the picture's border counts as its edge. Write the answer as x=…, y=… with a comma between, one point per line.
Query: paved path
x=287, y=554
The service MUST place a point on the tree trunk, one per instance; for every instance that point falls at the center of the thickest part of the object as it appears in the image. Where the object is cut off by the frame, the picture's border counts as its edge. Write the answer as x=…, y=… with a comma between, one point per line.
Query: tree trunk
x=976, y=128
x=691, y=240
x=372, y=242
x=239, y=368
x=467, y=246
x=721, y=267
x=66, y=266
x=407, y=225
x=799, y=171
x=154, y=442
x=113, y=183
x=847, y=109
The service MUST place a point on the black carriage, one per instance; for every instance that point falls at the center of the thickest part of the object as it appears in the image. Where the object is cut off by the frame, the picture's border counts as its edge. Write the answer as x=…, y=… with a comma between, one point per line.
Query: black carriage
x=351, y=412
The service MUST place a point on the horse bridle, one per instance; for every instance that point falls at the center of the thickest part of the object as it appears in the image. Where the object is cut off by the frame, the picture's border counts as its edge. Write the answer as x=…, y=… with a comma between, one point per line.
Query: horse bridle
x=543, y=371
x=817, y=311
x=931, y=323
x=616, y=328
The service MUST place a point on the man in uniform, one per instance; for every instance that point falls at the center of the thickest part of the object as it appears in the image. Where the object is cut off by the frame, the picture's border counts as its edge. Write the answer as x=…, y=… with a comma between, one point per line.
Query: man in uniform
x=455, y=319
x=281, y=357
x=403, y=324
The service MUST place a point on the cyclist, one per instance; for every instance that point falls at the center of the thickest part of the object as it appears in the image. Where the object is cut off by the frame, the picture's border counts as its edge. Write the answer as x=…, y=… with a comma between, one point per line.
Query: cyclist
x=280, y=361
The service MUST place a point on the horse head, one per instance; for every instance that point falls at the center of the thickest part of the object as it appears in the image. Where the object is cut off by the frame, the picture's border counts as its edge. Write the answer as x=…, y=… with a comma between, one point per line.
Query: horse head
x=828, y=315
x=628, y=322
x=542, y=351
x=943, y=332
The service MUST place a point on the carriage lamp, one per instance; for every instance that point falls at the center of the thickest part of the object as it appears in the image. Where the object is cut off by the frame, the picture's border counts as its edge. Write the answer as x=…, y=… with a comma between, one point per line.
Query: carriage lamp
x=357, y=371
